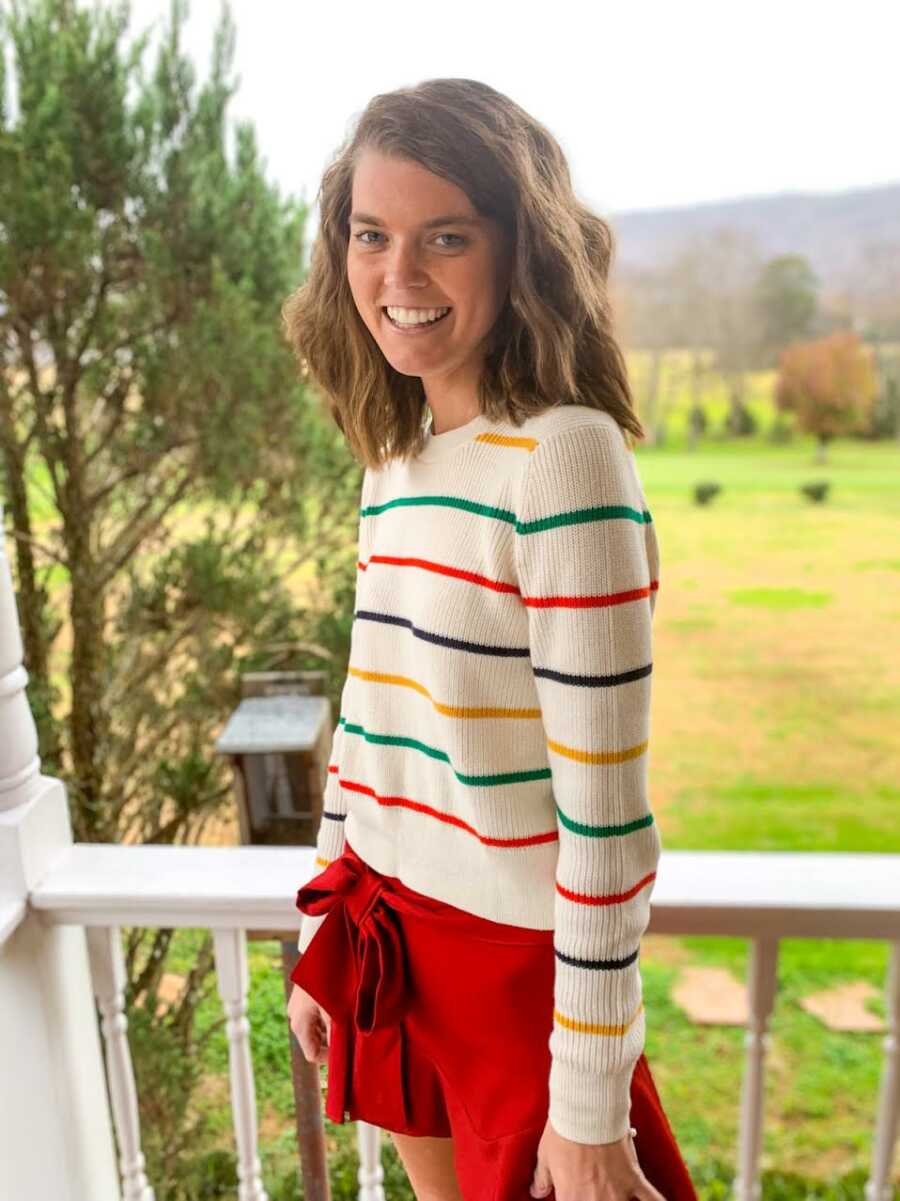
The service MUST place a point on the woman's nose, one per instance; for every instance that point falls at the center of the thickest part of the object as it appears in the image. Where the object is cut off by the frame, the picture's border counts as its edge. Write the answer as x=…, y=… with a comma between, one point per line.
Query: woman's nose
x=403, y=269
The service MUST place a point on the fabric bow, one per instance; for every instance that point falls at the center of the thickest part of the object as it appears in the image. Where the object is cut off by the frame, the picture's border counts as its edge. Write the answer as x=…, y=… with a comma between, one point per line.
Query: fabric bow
x=355, y=968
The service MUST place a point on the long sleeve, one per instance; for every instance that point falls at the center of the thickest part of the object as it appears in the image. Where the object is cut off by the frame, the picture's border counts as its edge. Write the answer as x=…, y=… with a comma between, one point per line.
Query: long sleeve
x=588, y=567
x=330, y=835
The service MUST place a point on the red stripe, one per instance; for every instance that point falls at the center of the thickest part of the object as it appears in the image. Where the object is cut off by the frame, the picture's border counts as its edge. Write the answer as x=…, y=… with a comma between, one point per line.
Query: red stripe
x=611, y=898
x=598, y=601
x=443, y=569
x=418, y=807
x=538, y=602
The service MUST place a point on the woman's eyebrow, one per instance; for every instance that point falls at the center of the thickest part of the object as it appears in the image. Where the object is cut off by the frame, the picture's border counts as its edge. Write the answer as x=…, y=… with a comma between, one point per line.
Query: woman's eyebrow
x=449, y=219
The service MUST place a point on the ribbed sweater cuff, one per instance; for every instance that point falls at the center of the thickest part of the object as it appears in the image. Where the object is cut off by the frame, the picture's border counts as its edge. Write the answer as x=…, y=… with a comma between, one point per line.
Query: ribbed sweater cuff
x=309, y=924
x=590, y=1108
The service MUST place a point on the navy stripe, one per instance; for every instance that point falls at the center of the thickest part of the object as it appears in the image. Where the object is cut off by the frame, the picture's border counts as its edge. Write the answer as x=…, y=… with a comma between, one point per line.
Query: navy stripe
x=505, y=652
x=564, y=677
x=603, y=964
x=459, y=644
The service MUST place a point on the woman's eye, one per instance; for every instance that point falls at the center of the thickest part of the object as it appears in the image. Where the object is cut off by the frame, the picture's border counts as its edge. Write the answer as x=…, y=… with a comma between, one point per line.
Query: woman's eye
x=362, y=236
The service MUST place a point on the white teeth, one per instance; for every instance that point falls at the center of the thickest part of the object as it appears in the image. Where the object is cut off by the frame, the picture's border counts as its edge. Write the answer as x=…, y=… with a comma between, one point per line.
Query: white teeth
x=415, y=316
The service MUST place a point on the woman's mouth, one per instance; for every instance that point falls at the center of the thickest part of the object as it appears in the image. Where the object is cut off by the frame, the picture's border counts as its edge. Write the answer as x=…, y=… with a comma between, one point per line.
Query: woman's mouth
x=415, y=328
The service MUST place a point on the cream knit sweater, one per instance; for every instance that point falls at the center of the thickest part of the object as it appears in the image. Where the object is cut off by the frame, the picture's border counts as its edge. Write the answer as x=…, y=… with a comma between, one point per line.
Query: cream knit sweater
x=492, y=745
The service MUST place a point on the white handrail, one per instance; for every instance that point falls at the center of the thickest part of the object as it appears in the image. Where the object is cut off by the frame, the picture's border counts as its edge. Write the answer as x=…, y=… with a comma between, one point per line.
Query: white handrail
x=749, y=894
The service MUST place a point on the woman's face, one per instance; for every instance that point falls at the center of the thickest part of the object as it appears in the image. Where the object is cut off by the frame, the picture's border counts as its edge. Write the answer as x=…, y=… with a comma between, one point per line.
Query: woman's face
x=416, y=243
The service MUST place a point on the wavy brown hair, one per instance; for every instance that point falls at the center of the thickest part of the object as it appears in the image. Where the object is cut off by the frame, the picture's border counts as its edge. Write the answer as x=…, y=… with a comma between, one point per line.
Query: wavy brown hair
x=553, y=340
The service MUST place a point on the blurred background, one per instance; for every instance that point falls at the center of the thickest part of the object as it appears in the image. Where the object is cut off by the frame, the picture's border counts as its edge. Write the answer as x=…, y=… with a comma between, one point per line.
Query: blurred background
x=180, y=511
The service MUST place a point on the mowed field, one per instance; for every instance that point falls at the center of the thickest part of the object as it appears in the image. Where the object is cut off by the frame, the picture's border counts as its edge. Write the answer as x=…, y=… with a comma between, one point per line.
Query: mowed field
x=776, y=650
x=775, y=727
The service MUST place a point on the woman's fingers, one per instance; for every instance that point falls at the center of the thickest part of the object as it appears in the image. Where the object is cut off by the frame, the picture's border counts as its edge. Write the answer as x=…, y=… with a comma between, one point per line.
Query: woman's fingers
x=319, y=1035
x=645, y=1190
x=310, y=1024
x=323, y=1033
x=312, y=1037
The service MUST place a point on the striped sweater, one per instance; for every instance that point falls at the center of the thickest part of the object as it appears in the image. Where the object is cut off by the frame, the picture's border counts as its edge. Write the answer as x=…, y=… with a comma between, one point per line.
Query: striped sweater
x=492, y=745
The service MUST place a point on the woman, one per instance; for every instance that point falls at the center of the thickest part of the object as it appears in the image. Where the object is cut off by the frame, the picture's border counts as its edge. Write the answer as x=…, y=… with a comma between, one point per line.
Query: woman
x=470, y=949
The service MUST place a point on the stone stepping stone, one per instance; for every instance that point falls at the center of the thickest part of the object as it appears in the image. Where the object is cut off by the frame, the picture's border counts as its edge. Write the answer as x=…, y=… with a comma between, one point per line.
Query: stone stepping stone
x=843, y=1007
x=711, y=996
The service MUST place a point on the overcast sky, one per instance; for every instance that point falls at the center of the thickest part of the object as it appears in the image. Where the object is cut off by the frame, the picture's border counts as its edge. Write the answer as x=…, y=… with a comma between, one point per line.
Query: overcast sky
x=657, y=103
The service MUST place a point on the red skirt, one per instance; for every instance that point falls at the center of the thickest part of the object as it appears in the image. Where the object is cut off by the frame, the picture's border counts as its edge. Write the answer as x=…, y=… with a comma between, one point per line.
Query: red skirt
x=440, y=1026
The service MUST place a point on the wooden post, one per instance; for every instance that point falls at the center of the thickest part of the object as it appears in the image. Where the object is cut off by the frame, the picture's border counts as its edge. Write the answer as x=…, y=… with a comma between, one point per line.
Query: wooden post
x=307, y=1101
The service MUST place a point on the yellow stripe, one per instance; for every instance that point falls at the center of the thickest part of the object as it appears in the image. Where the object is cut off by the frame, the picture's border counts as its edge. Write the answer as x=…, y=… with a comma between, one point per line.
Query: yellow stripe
x=595, y=1027
x=508, y=440
x=570, y=752
x=320, y=862
x=380, y=677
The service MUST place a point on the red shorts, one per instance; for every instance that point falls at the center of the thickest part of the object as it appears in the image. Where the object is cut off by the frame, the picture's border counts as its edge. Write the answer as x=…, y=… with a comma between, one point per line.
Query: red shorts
x=440, y=1026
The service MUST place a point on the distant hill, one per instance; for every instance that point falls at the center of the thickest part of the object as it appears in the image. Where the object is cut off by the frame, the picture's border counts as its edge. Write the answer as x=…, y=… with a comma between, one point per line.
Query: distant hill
x=838, y=232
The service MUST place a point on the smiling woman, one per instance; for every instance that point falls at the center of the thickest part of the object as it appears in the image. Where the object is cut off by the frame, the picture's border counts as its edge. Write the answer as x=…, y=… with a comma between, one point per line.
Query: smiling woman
x=449, y=194
x=487, y=847
x=428, y=293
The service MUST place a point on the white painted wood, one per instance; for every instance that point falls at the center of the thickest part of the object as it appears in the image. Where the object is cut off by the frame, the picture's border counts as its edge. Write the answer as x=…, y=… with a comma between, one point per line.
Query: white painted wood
x=233, y=980
x=746, y=893
x=18, y=744
x=19, y=763
x=224, y=888
x=20, y=767
x=761, y=987
x=108, y=974
x=11, y=914
x=370, y=1175
x=56, y=1136
x=878, y=1186
x=804, y=894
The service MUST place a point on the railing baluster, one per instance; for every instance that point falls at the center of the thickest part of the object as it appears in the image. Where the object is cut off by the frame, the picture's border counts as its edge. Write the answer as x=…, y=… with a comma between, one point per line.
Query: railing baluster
x=108, y=975
x=370, y=1176
x=761, y=989
x=233, y=980
x=878, y=1186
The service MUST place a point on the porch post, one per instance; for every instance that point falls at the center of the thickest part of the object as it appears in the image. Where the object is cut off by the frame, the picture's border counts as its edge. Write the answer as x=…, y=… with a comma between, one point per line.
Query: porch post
x=55, y=1134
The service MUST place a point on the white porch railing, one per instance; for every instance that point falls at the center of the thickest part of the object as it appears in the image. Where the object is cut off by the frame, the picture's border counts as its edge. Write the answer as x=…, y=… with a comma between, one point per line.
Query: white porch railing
x=62, y=903
x=761, y=896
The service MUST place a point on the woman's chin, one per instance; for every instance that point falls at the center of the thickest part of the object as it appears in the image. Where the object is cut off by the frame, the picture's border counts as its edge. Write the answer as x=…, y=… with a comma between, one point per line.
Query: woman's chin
x=409, y=362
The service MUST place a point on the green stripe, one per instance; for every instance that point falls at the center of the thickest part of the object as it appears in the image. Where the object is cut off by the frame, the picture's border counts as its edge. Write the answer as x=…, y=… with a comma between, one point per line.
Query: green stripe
x=512, y=777
x=576, y=516
x=604, y=831
x=449, y=502
x=571, y=517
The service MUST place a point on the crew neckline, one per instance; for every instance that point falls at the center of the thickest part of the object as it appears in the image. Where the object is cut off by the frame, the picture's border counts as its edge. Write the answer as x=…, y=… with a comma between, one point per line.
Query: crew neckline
x=441, y=446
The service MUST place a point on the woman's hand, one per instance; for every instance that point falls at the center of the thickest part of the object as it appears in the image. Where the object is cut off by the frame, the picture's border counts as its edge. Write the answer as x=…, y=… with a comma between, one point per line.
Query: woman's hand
x=311, y=1025
x=589, y=1171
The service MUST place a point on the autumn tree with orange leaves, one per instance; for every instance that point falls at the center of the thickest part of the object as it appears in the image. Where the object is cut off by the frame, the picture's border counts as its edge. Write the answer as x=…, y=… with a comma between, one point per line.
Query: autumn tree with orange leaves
x=830, y=385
